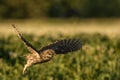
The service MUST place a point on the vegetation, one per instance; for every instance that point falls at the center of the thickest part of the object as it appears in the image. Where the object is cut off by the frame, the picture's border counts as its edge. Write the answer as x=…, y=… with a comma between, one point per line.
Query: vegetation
x=99, y=59
x=58, y=8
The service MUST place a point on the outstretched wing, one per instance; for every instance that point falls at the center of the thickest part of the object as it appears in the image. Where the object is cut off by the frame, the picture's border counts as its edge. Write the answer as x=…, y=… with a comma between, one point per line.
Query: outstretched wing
x=26, y=43
x=64, y=46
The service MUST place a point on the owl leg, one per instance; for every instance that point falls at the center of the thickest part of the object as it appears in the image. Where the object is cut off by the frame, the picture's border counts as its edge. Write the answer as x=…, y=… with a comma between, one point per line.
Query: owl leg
x=25, y=68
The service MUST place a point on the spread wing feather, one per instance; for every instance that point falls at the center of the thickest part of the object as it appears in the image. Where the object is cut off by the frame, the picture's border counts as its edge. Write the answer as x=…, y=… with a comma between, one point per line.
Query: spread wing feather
x=26, y=43
x=64, y=46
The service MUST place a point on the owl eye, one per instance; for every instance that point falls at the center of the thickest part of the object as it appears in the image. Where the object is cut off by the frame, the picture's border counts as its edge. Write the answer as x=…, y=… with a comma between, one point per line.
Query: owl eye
x=49, y=55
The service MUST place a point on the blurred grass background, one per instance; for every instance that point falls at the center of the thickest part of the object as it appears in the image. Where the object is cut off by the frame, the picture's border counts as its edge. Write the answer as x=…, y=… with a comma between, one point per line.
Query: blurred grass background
x=97, y=60
x=95, y=22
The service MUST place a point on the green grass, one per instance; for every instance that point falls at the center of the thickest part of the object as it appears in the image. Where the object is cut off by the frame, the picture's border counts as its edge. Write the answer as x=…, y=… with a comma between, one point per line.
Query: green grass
x=99, y=59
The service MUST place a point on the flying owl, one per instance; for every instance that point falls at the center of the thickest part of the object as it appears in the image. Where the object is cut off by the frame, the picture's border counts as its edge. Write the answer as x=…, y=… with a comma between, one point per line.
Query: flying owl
x=46, y=53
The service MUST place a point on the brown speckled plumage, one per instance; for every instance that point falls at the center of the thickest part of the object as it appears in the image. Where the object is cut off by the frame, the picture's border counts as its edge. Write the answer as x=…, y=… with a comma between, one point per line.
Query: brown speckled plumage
x=46, y=53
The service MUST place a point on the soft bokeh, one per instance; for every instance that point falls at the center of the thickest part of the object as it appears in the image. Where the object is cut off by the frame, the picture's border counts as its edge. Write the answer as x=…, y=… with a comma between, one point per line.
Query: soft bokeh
x=95, y=22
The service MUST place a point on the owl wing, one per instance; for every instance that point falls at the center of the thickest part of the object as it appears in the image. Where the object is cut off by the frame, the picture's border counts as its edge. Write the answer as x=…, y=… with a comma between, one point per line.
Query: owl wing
x=26, y=43
x=64, y=46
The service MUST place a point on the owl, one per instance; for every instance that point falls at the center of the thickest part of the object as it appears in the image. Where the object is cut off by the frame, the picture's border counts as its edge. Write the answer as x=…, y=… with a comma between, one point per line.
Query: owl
x=46, y=53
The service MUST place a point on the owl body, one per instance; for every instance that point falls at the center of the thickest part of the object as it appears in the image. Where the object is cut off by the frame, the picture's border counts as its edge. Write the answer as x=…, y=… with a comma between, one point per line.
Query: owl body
x=48, y=52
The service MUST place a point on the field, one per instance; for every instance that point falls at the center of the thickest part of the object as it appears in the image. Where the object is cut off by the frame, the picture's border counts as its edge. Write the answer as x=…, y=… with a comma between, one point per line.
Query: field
x=99, y=58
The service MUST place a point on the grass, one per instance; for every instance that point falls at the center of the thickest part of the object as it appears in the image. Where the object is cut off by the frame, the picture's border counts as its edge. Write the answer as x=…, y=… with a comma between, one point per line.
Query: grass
x=99, y=59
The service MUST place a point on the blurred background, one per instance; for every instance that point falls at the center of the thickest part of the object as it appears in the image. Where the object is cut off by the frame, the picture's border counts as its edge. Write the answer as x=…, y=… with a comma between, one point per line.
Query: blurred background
x=27, y=9
x=95, y=22
x=93, y=14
